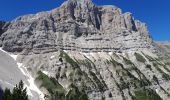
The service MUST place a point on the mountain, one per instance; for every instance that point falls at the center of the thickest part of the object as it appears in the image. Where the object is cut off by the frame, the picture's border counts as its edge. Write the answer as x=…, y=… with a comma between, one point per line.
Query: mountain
x=164, y=47
x=77, y=25
x=81, y=51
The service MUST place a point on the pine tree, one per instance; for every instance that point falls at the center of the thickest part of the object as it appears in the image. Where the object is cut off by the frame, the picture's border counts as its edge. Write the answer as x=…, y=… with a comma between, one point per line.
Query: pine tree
x=18, y=93
x=7, y=94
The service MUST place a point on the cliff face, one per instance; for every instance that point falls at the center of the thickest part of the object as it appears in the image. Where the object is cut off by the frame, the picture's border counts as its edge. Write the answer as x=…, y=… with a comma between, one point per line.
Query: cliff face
x=77, y=26
x=164, y=47
x=81, y=51
x=1, y=27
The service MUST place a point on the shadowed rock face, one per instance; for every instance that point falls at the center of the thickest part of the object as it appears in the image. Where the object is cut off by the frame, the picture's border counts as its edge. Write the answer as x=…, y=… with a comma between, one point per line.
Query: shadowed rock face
x=1, y=27
x=1, y=30
x=77, y=25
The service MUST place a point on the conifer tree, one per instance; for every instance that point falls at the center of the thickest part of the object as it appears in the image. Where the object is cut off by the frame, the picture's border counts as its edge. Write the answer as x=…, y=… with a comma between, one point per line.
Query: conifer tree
x=18, y=93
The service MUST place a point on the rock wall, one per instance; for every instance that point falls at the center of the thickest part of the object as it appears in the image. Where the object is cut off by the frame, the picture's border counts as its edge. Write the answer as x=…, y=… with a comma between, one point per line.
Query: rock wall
x=164, y=47
x=77, y=25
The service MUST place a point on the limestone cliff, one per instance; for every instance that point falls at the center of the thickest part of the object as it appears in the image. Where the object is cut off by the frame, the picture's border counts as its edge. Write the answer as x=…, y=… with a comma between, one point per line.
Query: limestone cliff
x=77, y=25
x=81, y=51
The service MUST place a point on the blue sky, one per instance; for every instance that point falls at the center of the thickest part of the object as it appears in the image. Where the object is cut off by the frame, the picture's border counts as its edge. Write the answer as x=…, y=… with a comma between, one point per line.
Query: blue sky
x=156, y=13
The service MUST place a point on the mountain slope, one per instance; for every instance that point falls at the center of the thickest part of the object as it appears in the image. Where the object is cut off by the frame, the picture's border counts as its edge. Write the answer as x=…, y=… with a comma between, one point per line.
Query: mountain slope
x=82, y=51
x=164, y=47
x=12, y=72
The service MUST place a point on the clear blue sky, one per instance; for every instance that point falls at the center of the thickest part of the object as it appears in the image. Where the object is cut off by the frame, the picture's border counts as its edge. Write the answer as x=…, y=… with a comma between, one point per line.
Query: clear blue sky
x=156, y=13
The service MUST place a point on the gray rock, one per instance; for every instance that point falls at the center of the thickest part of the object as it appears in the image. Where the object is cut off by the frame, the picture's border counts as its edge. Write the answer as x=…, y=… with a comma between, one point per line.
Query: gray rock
x=84, y=30
x=164, y=47
x=2, y=23
x=77, y=25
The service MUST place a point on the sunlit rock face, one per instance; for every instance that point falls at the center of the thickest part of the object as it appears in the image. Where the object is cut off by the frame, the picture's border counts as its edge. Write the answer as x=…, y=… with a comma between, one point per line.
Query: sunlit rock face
x=164, y=47
x=83, y=50
x=77, y=25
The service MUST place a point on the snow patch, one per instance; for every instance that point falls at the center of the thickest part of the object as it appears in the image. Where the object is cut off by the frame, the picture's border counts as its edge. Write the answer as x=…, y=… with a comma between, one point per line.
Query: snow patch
x=65, y=51
x=32, y=85
x=157, y=91
x=52, y=57
x=28, y=90
x=6, y=83
x=45, y=72
x=86, y=55
x=110, y=53
x=21, y=68
x=25, y=72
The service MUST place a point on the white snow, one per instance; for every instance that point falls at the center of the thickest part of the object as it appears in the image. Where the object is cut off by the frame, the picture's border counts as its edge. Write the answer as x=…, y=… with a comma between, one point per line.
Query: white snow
x=110, y=53
x=65, y=51
x=6, y=83
x=32, y=85
x=25, y=72
x=21, y=68
x=45, y=72
x=52, y=57
x=157, y=91
x=87, y=55
x=28, y=90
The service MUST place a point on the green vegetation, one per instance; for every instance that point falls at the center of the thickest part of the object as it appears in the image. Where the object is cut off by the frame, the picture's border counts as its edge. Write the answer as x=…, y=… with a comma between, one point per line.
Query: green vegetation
x=155, y=79
x=165, y=67
x=97, y=81
x=100, y=85
x=167, y=63
x=75, y=94
x=115, y=63
x=120, y=89
x=61, y=54
x=146, y=94
x=140, y=58
x=127, y=61
x=86, y=63
x=76, y=75
x=149, y=67
x=149, y=57
x=123, y=84
x=53, y=87
x=126, y=72
x=164, y=75
x=103, y=98
x=143, y=81
x=18, y=93
x=68, y=59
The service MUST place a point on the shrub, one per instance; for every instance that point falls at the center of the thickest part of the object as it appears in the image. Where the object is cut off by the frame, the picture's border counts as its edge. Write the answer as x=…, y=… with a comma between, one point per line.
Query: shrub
x=149, y=57
x=140, y=58
x=146, y=94
x=165, y=76
x=52, y=85
x=7, y=94
x=127, y=61
x=100, y=85
x=149, y=67
x=68, y=59
x=155, y=79
x=76, y=94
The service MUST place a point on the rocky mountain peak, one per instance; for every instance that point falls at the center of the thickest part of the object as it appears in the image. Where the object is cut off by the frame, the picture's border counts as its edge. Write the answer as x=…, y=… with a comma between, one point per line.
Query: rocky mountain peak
x=77, y=25
x=83, y=2
x=81, y=51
